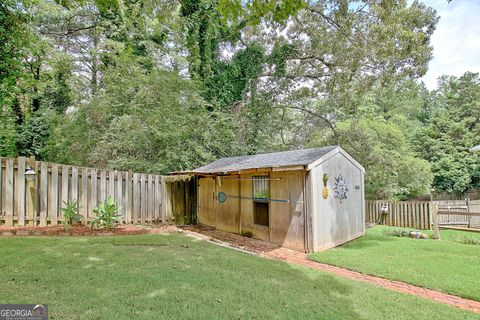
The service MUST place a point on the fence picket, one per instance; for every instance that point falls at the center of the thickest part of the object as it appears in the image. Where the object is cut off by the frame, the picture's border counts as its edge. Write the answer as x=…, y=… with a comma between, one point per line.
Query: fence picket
x=143, y=198
x=136, y=198
x=43, y=193
x=74, y=185
x=93, y=193
x=83, y=205
x=20, y=192
x=103, y=185
x=53, y=198
x=151, y=198
x=111, y=185
x=128, y=197
x=157, y=199
x=9, y=192
x=119, y=195
x=65, y=178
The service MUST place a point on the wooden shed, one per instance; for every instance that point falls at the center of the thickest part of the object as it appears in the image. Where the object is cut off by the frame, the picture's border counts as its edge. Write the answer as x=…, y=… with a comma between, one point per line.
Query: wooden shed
x=306, y=200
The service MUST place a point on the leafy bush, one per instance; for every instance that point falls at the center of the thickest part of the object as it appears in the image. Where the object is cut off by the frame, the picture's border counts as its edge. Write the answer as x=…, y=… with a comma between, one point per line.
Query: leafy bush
x=70, y=214
x=106, y=214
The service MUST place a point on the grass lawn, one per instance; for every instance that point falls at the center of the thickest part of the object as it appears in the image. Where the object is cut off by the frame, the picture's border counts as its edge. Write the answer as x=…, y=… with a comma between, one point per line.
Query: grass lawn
x=445, y=265
x=178, y=277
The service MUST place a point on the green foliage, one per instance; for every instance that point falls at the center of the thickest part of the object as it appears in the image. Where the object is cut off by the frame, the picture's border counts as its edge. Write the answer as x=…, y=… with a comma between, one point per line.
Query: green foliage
x=70, y=214
x=146, y=121
x=58, y=93
x=13, y=22
x=453, y=126
x=161, y=86
x=105, y=214
x=392, y=169
x=34, y=133
x=7, y=133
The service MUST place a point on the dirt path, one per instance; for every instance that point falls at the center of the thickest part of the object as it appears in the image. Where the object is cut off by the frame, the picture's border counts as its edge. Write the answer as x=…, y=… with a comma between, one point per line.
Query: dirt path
x=268, y=250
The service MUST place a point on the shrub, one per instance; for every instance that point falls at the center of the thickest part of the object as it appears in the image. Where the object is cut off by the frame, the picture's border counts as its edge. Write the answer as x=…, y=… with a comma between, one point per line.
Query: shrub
x=70, y=214
x=106, y=214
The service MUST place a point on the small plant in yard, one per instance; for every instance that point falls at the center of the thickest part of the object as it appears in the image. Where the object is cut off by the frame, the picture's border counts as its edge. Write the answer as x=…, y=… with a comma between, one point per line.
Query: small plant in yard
x=70, y=214
x=466, y=240
x=105, y=214
x=405, y=234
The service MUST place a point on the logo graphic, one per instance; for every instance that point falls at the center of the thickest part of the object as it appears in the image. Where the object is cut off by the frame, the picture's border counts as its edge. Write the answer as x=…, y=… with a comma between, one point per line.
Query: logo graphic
x=340, y=188
x=23, y=312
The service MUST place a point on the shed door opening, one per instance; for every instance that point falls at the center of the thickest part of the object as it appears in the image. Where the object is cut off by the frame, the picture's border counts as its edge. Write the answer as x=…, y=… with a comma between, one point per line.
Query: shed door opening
x=261, y=196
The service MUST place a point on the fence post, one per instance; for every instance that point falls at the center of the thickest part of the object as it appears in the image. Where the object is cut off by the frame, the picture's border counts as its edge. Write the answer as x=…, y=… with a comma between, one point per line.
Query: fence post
x=20, y=190
x=467, y=203
x=128, y=197
x=436, y=229
x=43, y=193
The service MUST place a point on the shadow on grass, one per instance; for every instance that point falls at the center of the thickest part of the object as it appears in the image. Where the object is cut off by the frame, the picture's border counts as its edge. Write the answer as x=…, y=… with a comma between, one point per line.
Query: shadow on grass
x=366, y=242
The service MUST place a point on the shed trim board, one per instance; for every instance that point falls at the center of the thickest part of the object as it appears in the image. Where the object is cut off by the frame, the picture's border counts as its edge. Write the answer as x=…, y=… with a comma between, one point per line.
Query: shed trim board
x=302, y=222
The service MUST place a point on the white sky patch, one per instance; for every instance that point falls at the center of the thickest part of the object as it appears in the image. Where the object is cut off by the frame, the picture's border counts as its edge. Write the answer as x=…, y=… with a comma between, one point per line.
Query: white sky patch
x=456, y=41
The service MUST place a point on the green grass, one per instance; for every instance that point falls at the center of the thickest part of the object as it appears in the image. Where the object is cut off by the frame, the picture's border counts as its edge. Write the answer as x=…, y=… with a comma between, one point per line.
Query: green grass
x=178, y=277
x=446, y=265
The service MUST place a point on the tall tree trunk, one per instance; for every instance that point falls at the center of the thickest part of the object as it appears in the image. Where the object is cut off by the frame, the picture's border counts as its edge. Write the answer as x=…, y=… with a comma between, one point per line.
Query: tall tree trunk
x=36, y=95
x=94, y=81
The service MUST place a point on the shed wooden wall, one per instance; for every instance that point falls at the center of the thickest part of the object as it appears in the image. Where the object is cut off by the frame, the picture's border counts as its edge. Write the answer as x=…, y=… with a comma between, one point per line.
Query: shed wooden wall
x=333, y=221
x=287, y=223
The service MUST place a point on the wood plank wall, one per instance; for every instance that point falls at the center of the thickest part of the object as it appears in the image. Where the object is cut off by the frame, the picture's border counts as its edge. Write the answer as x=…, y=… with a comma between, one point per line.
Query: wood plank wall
x=142, y=198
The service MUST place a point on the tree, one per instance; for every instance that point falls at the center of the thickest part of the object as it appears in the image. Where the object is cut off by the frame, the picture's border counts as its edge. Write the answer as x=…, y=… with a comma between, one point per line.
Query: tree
x=452, y=128
x=13, y=21
x=392, y=169
x=145, y=120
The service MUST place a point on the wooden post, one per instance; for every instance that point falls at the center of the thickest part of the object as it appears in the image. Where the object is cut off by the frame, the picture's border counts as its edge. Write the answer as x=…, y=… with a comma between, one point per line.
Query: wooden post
x=436, y=229
x=20, y=186
x=43, y=193
x=92, y=204
x=53, y=205
x=9, y=169
x=65, y=179
x=128, y=197
x=74, y=185
x=119, y=196
x=83, y=208
x=467, y=203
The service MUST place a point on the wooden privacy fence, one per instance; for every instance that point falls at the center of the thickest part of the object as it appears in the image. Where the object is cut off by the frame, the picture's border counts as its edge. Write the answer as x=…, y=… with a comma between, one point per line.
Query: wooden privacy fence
x=142, y=198
x=408, y=214
x=456, y=212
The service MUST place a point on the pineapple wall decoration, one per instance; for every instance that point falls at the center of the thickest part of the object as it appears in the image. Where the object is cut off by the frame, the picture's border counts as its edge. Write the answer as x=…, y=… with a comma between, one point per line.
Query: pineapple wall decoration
x=325, y=189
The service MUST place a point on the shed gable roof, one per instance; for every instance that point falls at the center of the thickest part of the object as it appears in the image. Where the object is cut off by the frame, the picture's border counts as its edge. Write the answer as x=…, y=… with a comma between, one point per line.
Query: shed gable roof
x=301, y=157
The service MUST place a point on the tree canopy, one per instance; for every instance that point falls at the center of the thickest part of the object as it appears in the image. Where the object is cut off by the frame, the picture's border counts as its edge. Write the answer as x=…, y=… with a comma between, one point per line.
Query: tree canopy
x=163, y=85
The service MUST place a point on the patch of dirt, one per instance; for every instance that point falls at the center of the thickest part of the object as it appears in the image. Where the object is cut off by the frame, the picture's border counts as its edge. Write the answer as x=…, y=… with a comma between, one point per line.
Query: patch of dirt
x=80, y=230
